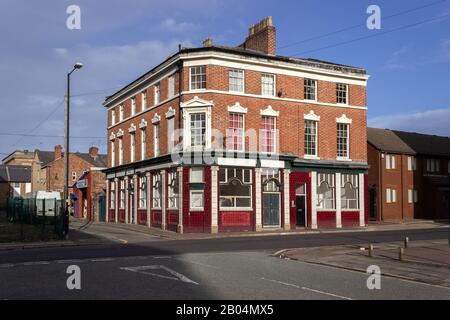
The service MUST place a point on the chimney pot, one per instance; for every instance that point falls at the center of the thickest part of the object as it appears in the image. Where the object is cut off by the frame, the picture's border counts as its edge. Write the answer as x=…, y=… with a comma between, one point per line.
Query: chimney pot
x=208, y=42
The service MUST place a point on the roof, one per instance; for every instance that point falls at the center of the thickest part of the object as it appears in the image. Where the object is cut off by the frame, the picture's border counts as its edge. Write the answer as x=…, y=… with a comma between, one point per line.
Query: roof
x=308, y=62
x=45, y=157
x=387, y=140
x=101, y=161
x=426, y=144
x=15, y=173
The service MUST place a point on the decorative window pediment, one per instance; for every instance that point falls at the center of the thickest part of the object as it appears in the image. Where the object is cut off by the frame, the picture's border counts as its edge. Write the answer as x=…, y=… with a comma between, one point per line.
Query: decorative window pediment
x=343, y=119
x=196, y=102
x=311, y=116
x=170, y=113
x=269, y=112
x=120, y=133
x=237, y=108
x=142, y=124
x=156, y=118
x=112, y=136
x=132, y=128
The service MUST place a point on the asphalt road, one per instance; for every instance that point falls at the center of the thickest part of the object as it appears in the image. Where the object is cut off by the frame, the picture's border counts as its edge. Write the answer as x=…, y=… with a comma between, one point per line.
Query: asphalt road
x=227, y=268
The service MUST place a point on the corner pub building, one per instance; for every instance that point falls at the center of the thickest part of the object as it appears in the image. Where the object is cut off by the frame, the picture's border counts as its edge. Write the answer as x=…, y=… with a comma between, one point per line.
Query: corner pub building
x=285, y=140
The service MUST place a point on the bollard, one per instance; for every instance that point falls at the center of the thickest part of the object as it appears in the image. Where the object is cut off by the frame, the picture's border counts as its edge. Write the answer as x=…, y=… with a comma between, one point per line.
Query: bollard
x=406, y=242
x=401, y=251
x=371, y=250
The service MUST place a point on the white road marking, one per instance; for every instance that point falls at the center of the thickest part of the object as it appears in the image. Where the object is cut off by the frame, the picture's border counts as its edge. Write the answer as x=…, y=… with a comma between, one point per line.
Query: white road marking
x=102, y=260
x=36, y=263
x=70, y=261
x=7, y=265
x=199, y=263
x=175, y=275
x=308, y=289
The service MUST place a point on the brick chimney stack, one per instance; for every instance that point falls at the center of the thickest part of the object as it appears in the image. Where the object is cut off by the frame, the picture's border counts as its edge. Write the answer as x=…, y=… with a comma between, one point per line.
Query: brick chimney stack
x=262, y=37
x=93, y=152
x=58, y=151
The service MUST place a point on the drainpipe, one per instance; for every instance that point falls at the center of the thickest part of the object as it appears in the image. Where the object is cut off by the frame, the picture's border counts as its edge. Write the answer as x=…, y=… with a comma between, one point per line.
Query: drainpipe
x=380, y=173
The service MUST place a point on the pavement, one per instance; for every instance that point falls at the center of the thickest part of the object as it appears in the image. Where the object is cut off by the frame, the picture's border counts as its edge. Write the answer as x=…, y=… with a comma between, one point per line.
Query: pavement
x=423, y=261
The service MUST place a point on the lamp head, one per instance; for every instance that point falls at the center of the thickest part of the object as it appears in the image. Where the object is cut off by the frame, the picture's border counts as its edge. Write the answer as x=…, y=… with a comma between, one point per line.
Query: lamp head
x=78, y=65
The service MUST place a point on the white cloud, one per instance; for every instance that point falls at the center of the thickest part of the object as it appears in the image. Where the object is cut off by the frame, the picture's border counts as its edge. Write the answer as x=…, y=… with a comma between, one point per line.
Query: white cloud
x=397, y=60
x=433, y=122
x=172, y=25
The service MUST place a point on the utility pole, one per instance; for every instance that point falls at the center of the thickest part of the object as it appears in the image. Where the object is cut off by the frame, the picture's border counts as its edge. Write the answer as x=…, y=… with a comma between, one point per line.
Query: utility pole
x=66, y=155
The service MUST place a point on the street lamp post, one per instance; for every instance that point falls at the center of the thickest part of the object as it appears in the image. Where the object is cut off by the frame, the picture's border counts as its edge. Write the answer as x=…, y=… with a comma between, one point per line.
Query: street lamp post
x=66, y=155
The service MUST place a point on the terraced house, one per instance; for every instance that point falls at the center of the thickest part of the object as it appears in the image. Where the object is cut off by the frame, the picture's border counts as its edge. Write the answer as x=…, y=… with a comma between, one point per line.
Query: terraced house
x=219, y=139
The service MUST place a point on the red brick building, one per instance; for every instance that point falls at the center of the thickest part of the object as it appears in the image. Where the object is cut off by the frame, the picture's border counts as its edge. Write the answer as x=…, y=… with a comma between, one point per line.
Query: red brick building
x=218, y=139
x=409, y=176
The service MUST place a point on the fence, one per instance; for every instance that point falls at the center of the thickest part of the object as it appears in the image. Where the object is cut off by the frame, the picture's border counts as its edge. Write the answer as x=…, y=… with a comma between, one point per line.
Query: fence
x=47, y=213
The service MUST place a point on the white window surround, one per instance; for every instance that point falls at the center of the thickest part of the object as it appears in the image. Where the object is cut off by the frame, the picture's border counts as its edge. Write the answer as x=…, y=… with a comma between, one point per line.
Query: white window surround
x=269, y=112
x=112, y=136
x=274, y=88
x=120, y=133
x=344, y=119
x=243, y=79
x=191, y=197
x=142, y=124
x=346, y=93
x=156, y=119
x=132, y=129
x=311, y=116
x=170, y=113
x=196, y=105
x=237, y=108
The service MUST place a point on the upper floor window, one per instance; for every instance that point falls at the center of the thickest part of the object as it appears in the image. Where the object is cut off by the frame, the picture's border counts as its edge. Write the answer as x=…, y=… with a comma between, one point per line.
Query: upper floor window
x=74, y=176
x=171, y=86
x=342, y=140
x=235, y=137
x=113, y=117
x=113, y=154
x=157, y=139
x=133, y=147
x=433, y=165
x=198, y=129
x=121, y=112
x=268, y=134
x=133, y=106
x=171, y=133
x=198, y=78
x=143, y=143
x=390, y=162
x=310, y=87
x=144, y=100
x=268, y=84
x=157, y=93
x=120, y=151
x=412, y=165
x=341, y=93
x=310, y=138
x=236, y=80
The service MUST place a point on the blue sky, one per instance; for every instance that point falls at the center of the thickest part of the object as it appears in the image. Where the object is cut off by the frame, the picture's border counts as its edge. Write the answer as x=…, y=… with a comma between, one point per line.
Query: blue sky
x=120, y=40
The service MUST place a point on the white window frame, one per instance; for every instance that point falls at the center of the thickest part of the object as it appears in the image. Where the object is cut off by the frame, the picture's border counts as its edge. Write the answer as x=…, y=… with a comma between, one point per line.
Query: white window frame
x=196, y=169
x=112, y=195
x=388, y=162
x=304, y=89
x=190, y=78
x=410, y=165
x=346, y=93
x=132, y=147
x=143, y=142
x=74, y=176
x=143, y=192
x=156, y=139
x=120, y=151
x=113, y=154
x=121, y=112
x=122, y=194
x=316, y=128
x=340, y=157
x=247, y=183
x=157, y=95
x=171, y=133
x=171, y=86
x=133, y=106
x=242, y=134
x=144, y=101
x=171, y=195
x=231, y=75
x=113, y=117
x=191, y=207
x=187, y=127
x=410, y=196
x=157, y=178
x=274, y=85
x=275, y=135
x=388, y=195
x=394, y=195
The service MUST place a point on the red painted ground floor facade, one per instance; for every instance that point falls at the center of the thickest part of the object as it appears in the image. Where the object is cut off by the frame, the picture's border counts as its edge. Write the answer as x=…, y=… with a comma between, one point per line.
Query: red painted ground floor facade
x=238, y=195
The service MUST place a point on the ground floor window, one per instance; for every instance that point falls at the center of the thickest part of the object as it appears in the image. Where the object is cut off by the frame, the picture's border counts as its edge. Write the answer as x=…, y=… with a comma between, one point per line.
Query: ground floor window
x=143, y=193
x=157, y=188
x=349, y=191
x=196, y=200
x=112, y=197
x=122, y=194
x=326, y=191
x=173, y=188
x=235, y=188
x=391, y=195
